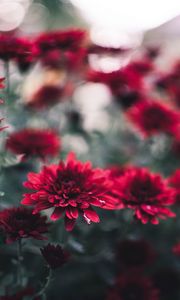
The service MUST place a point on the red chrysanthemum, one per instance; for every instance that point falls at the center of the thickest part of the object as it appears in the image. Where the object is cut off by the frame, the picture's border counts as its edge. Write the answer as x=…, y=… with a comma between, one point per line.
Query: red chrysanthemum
x=152, y=117
x=46, y=96
x=119, y=81
x=30, y=142
x=19, y=222
x=69, y=39
x=176, y=249
x=174, y=181
x=17, y=48
x=133, y=287
x=145, y=193
x=135, y=254
x=59, y=49
x=55, y=256
x=71, y=188
x=2, y=79
x=140, y=67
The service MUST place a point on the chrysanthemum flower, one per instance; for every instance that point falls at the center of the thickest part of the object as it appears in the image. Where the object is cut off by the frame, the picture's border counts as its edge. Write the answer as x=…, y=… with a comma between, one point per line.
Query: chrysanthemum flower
x=62, y=49
x=72, y=188
x=19, y=222
x=147, y=194
x=174, y=181
x=125, y=85
x=70, y=39
x=118, y=81
x=176, y=249
x=46, y=96
x=18, y=49
x=133, y=287
x=141, y=67
x=152, y=117
x=135, y=253
x=55, y=256
x=30, y=142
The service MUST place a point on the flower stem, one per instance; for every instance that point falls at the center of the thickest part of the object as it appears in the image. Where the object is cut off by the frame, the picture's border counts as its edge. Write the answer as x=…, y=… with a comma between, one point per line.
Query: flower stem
x=42, y=291
x=19, y=263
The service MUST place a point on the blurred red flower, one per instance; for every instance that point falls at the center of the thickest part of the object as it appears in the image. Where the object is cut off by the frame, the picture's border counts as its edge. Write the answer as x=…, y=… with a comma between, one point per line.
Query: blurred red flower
x=119, y=81
x=174, y=181
x=71, y=39
x=62, y=49
x=145, y=193
x=141, y=67
x=176, y=249
x=55, y=256
x=20, y=49
x=29, y=142
x=19, y=222
x=71, y=188
x=46, y=96
x=126, y=85
x=134, y=254
x=152, y=117
x=133, y=287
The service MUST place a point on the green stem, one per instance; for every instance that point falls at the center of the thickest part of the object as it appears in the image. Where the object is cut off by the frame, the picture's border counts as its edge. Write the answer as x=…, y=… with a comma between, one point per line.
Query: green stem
x=19, y=263
x=42, y=291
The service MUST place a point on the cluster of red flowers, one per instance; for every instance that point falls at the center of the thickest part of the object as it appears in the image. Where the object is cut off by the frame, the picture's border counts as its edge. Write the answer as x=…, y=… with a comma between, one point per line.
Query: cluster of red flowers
x=135, y=259
x=133, y=256
x=73, y=188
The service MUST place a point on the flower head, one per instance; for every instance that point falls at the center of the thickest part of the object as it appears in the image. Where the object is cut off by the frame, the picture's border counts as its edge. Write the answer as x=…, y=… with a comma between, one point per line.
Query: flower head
x=135, y=253
x=30, y=142
x=119, y=81
x=19, y=49
x=55, y=256
x=59, y=49
x=147, y=194
x=19, y=222
x=141, y=67
x=133, y=287
x=174, y=181
x=71, y=188
x=176, y=249
x=152, y=117
x=69, y=39
x=46, y=96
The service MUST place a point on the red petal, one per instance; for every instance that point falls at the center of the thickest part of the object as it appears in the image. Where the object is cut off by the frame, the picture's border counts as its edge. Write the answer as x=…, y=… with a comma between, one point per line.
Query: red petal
x=69, y=224
x=57, y=213
x=91, y=215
